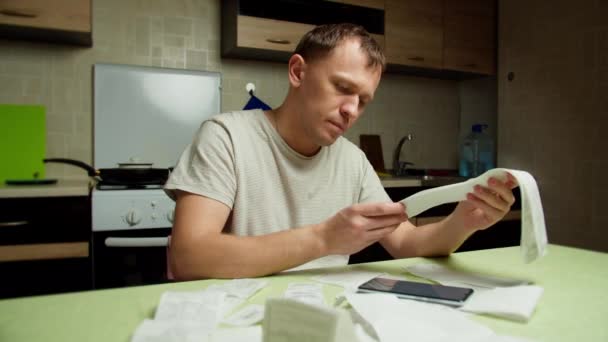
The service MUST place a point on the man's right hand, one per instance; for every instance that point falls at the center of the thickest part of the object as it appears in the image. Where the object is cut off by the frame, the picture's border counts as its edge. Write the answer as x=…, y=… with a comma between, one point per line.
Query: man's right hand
x=358, y=226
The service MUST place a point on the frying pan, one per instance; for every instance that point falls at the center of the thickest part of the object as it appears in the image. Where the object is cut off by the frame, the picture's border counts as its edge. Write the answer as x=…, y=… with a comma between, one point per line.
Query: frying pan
x=145, y=175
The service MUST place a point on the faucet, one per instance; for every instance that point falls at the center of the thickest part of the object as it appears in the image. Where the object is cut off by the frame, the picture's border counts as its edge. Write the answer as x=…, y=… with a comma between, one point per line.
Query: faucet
x=400, y=167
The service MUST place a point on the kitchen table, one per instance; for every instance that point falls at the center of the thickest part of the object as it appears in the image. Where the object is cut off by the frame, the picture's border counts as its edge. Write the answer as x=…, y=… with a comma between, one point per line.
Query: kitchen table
x=573, y=307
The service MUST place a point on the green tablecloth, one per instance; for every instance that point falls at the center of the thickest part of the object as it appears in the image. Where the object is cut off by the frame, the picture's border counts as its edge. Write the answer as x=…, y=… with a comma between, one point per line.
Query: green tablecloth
x=574, y=306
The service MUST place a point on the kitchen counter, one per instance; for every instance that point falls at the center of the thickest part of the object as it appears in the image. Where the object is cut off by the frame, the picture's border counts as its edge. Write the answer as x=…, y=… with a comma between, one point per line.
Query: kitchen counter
x=81, y=187
x=417, y=181
x=400, y=182
x=63, y=188
x=570, y=309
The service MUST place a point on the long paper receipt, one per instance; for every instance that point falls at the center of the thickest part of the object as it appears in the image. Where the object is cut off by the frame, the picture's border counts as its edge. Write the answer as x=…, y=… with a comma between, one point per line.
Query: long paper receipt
x=533, y=231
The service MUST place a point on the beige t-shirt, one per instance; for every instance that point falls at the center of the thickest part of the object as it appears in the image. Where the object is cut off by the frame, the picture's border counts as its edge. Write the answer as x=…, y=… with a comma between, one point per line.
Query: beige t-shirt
x=239, y=159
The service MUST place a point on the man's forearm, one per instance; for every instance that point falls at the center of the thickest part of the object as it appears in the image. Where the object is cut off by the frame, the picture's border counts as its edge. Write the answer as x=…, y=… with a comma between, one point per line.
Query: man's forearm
x=215, y=255
x=434, y=239
x=442, y=238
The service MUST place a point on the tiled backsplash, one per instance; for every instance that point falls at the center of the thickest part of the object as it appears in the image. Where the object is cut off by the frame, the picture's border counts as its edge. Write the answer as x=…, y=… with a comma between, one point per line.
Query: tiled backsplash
x=426, y=108
x=185, y=34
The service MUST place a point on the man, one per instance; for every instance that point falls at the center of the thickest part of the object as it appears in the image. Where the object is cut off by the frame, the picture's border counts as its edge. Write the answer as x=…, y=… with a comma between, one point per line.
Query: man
x=262, y=192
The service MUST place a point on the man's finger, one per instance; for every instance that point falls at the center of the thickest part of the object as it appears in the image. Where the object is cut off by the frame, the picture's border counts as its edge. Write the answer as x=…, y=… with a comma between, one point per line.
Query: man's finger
x=488, y=196
x=503, y=190
x=379, y=209
x=489, y=210
x=511, y=181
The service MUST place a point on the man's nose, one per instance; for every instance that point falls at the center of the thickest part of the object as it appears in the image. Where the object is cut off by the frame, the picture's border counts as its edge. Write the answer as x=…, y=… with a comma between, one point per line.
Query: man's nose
x=350, y=108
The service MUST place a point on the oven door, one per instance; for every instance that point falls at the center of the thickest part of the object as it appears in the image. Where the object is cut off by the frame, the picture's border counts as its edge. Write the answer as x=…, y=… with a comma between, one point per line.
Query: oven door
x=130, y=257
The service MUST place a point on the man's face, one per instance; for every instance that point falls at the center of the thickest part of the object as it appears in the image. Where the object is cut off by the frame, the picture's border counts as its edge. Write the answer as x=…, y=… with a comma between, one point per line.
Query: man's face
x=334, y=92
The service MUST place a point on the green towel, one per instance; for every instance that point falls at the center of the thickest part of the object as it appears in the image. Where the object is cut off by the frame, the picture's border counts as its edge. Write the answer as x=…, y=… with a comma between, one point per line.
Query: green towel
x=22, y=142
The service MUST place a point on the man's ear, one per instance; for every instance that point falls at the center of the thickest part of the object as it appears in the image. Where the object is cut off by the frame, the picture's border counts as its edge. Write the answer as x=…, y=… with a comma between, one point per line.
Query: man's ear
x=296, y=68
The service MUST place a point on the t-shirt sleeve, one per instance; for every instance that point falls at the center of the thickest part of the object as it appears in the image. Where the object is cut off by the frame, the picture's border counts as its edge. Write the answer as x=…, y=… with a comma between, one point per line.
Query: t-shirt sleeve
x=371, y=187
x=206, y=167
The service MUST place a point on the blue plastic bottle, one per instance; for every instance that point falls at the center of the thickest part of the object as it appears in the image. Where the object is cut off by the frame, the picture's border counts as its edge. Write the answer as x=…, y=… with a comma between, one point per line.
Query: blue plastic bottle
x=476, y=152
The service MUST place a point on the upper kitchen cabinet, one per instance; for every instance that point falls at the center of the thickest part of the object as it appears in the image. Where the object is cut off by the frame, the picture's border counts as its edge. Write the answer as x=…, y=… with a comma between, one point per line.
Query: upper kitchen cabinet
x=470, y=36
x=442, y=38
x=271, y=29
x=414, y=33
x=57, y=21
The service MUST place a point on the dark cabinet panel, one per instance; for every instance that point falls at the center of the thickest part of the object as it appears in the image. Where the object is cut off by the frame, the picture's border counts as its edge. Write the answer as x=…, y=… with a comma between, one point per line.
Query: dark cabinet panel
x=39, y=277
x=44, y=245
x=44, y=220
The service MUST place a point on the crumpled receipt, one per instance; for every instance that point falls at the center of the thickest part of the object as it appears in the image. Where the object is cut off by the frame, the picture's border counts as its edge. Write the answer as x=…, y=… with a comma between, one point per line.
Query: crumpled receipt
x=533, y=231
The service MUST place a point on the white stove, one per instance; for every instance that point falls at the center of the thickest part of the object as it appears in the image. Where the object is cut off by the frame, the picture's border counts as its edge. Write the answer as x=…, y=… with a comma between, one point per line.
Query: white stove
x=131, y=209
x=142, y=115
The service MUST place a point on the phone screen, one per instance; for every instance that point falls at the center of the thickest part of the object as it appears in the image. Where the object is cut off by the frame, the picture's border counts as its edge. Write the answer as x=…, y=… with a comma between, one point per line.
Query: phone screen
x=439, y=293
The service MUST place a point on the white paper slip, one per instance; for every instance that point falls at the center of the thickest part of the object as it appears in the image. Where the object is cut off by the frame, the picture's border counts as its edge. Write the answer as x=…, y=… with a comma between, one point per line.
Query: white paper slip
x=516, y=303
x=201, y=307
x=350, y=279
x=246, y=334
x=241, y=288
x=533, y=231
x=170, y=331
x=397, y=320
x=309, y=293
x=229, y=304
x=249, y=315
x=504, y=338
x=294, y=321
x=448, y=276
x=362, y=335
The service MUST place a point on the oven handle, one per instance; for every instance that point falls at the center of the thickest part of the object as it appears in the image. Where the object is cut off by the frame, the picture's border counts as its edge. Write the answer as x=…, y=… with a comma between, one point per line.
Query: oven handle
x=137, y=242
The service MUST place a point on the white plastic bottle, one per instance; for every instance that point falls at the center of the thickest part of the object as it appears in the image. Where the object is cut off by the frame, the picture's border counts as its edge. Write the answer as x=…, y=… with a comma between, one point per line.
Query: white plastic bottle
x=476, y=152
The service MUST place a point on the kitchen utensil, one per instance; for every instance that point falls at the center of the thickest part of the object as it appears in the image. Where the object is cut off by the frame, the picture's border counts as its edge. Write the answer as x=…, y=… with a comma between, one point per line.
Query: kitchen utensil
x=142, y=175
x=372, y=147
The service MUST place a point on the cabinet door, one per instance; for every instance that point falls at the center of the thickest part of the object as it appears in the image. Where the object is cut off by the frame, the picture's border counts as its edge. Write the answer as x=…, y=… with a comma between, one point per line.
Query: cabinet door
x=379, y=4
x=272, y=33
x=269, y=34
x=44, y=245
x=39, y=220
x=470, y=36
x=414, y=32
x=277, y=35
x=55, y=21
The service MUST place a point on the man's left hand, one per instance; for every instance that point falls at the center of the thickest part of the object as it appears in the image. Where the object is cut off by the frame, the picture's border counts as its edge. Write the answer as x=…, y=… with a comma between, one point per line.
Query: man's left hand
x=486, y=205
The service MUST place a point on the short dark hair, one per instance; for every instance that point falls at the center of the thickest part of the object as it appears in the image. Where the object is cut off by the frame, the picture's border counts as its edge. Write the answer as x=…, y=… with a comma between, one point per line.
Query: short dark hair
x=321, y=40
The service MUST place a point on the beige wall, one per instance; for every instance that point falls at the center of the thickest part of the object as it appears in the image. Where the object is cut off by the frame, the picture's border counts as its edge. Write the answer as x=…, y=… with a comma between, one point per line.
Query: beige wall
x=478, y=104
x=552, y=114
x=185, y=34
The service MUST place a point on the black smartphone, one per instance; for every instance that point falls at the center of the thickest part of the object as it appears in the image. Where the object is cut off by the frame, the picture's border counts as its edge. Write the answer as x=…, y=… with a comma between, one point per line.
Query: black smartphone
x=448, y=295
